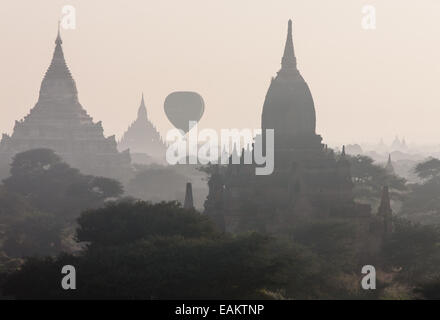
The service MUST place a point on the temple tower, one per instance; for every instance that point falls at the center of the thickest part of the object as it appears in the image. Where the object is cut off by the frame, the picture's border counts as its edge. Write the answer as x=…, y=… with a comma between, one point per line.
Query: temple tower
x=389, y=166
x=189, y=202
x=308, y=181
x=59, y=122
x=143, y=140
x=288, y=107
x=385, y=212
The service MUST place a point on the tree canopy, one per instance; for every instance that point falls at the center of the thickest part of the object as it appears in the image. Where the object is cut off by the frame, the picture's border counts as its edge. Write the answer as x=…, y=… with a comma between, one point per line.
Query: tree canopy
x=51, y=185
x=422, y=204
x=157, y=251
x=428, y=169
x=125, y=222
x=40, y=201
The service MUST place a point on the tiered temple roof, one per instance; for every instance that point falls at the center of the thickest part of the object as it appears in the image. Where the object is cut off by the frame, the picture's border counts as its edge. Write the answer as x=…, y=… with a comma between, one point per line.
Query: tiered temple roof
x=143, y=138
x=59, y=122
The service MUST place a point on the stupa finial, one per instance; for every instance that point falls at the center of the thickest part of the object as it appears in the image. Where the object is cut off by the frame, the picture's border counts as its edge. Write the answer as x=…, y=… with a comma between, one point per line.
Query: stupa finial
x=58, y=39
x=289, y=60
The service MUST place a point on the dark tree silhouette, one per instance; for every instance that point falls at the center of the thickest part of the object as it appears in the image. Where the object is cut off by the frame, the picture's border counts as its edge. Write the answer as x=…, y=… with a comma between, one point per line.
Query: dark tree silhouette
x=125, y=222
x=41, y=199
x=369, y=178
x=423, y=201
x=144, y=251
x=428, y=169
x=51, y=185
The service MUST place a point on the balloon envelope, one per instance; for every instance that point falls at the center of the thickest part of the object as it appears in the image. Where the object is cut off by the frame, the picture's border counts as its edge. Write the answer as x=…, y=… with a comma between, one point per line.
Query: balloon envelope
x=182, y=107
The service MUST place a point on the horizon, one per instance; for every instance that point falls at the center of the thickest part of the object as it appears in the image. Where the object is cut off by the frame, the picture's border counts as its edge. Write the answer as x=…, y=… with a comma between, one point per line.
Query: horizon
x=233, y=78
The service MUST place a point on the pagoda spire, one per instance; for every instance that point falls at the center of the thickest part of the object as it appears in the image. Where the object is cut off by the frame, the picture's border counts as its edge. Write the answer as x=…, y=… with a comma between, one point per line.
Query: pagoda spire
x=58, y=55
x=385, y=211
x=385, y=207
x=142, y=112
x=189, y=202
x=58, y=82
x=58, y=40
x=389, y=166
x=289, y=60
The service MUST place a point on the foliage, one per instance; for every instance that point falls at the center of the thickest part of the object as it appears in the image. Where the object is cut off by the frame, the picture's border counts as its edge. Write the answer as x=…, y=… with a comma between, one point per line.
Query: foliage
x=38, y=278
x=38, y=234
x=177, y=255
x=428, y=169
x=423, y=201
x=171, y=267
x=40, y=201
x=369, y=178
x=25, y=230
x=429, y=288
x=413, y=247
x=126, y=222
x=52, y=186
x=333, y=240
x=139, y=250
x=423, y=198
x=157, y=184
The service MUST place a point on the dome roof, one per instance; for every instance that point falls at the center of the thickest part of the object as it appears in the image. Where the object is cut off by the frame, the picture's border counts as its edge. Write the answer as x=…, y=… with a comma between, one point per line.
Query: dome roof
x=288, y=106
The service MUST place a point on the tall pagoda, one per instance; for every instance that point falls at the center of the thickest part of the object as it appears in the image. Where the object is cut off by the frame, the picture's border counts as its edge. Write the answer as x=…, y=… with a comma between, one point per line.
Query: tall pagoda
x=142, y=139
x=389, y=166
x=309, y=180
x=385, y=212
x=59, y=122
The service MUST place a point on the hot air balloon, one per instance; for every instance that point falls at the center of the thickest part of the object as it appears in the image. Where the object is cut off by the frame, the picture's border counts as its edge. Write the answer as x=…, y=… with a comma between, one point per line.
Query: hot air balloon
x=183, y=107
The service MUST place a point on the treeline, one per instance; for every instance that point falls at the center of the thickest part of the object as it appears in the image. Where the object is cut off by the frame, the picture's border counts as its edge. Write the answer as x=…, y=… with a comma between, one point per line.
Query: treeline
x=51, y=215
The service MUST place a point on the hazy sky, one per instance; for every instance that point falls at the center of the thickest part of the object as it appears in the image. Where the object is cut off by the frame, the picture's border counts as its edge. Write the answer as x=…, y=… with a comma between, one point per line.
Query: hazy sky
x=365, y=84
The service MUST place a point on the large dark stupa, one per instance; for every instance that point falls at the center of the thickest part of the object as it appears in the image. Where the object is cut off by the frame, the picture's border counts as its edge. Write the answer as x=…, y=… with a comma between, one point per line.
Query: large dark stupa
x=309, y=179
x=288, y=107
x=59, y=122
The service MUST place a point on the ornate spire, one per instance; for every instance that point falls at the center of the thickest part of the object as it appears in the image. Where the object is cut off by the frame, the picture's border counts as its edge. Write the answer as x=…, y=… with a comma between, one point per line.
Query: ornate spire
x=289, y=60
x=385, y=211
x=385, y=207
x=58, y=40
x=142, y=112
x=58, y=55
x=189, y=202
x=389, y=167
x=58, y=83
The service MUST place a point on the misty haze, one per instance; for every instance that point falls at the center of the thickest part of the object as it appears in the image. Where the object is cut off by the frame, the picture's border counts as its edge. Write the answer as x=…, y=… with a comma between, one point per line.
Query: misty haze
x=220, y=150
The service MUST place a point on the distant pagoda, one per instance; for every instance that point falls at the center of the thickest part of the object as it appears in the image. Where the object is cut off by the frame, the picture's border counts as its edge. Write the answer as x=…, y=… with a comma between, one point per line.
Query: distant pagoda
x=189, y=202
x=389, y=166
x=142, y=139
x=59, y=122
x=385, y=213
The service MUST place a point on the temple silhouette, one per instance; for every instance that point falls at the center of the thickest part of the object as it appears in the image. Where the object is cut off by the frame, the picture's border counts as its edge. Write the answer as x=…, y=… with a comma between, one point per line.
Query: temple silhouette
x=309, y=179
x=59, y=122
x=143, y=140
